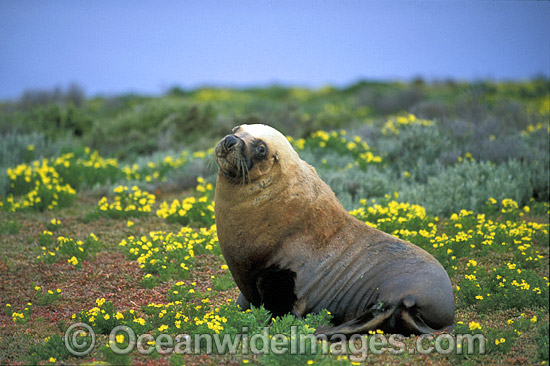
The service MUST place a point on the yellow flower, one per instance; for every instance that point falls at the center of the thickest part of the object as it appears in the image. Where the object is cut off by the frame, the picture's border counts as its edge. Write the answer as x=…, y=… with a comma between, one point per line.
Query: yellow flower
x=130, y=223
x=120, y=338
x=162, y=328
x=140, y=321
x=534, y=319
x=474, y=325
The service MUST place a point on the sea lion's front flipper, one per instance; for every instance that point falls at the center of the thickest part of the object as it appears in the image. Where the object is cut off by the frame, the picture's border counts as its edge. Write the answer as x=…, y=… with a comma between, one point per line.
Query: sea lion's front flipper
x=373, y=319
x=243, y=303
x=275, y=286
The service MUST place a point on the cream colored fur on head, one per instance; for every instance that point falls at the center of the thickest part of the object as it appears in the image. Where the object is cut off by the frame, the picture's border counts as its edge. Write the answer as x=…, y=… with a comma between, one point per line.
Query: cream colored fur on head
x=276, y=141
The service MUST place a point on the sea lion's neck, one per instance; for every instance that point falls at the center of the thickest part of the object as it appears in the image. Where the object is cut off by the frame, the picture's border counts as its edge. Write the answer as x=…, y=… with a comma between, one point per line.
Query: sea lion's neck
x=322, y=213
x=291, y=200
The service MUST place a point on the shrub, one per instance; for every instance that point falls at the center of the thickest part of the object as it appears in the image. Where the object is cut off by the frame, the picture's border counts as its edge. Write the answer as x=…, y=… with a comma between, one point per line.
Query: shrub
x=71, y=250
x=46, y=297
x=191, y=210
x=507, y=286
x=103, y=317
x=158, y=125
x=168, y=255
x=389, y=98
x=52, y=349
x=468, y=186
x=351, y=184
x=17, y=148
x=22, y=317
x=411, y=141
x=127, y=203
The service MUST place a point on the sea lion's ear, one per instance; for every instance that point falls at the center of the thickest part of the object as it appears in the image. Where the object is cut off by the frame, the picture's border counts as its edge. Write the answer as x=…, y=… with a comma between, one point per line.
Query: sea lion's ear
x=275, y=157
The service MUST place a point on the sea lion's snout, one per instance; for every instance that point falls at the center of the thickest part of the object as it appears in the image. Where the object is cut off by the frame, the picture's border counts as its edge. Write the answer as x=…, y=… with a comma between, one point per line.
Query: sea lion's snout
x=228, y=144
x=229, y=141
x=231, y=157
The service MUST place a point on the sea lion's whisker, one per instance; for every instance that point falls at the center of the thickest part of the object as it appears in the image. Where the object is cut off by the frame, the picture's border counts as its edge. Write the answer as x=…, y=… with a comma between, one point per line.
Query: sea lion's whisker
x=210, y=163
x=244, y=172
x=245, y=175
x=241, y=171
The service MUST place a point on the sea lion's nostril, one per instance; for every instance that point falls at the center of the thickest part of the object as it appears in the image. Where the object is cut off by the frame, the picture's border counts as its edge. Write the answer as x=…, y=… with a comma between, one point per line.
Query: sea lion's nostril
x=230, y=141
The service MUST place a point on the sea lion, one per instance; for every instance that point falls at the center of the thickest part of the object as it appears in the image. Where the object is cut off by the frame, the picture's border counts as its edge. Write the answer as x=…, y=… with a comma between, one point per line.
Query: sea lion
x=292, y=247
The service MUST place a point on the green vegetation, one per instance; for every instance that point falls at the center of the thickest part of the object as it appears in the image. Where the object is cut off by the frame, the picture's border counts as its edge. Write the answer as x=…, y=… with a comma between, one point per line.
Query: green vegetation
x=107, y=213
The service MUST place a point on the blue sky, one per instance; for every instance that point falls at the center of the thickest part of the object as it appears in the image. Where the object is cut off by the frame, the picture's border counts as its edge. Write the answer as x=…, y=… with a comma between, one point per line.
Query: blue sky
x=111, y=47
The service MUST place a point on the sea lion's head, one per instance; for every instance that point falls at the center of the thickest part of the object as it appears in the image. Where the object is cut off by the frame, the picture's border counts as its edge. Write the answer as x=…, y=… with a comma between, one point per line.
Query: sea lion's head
x=250, y=152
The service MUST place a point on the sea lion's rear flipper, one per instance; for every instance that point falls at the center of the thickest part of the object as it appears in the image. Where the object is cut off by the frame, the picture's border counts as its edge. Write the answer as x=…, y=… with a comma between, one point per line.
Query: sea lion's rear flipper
x=416, y=325
x=372, y=320
x=403, y=318
x=411, y=319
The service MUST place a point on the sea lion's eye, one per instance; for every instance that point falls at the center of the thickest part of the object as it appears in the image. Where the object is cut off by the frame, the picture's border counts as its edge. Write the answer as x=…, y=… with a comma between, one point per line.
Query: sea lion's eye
x=260, y=151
